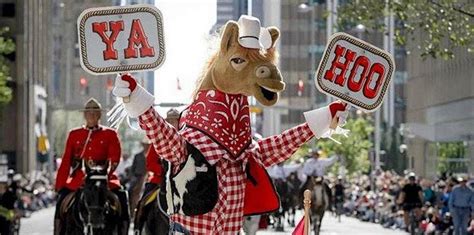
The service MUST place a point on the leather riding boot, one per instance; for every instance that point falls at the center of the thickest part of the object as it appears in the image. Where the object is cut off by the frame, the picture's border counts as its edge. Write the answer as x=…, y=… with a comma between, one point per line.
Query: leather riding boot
x=57, y=227
x=123, y=228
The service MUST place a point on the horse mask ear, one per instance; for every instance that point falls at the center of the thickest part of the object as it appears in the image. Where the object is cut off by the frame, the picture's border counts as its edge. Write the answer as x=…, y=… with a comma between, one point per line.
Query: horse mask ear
x=275, y=34
x=230, y=35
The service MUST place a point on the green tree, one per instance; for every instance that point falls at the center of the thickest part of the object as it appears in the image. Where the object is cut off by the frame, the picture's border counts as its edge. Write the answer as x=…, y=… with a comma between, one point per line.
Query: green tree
x=355, y=148
x=451, y=157
x=445, y=24
x=62, y=122
x=7, y=46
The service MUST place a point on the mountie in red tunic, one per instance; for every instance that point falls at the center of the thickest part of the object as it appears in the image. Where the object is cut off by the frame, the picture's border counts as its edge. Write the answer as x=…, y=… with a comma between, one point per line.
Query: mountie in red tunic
x=154, y=167
x=103, y=145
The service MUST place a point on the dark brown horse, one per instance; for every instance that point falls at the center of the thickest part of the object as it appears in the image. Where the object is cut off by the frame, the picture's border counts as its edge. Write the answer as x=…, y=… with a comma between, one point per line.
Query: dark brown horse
x=319, y=202
x=282, y=189
x=94, y=209
x=294, y=200
x=149, y=217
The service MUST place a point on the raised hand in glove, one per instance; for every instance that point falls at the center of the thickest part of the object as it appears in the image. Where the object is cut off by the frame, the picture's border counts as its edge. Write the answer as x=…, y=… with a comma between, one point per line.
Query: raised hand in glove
x=323, y=120
x=339, y=113
x=140, y=99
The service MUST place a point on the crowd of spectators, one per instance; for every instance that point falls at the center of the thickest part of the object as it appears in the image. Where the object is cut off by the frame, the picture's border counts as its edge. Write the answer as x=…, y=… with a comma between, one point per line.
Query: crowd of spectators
x=375, y=199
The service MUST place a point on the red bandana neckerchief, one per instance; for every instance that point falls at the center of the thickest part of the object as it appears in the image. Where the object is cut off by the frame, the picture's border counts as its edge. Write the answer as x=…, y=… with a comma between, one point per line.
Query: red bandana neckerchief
x=223, y=117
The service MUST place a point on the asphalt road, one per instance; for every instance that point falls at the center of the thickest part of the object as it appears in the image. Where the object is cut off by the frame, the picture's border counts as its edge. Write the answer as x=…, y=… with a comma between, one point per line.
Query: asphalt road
x=347, y=226
x=41, y=223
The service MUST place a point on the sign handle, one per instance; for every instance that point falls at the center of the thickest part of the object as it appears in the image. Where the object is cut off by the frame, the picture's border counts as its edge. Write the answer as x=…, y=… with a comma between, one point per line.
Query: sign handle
x=307, y=205
x=126, y=99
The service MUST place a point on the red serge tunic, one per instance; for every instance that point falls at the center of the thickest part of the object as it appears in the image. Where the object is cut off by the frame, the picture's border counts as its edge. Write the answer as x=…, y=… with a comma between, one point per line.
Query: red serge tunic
x=227, y=215
x=154, y=167
x=103, y=144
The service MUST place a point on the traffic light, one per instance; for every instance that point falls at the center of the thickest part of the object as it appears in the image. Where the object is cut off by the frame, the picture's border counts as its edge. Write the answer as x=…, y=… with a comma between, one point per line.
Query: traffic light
x=84, y=86
x=300, y=87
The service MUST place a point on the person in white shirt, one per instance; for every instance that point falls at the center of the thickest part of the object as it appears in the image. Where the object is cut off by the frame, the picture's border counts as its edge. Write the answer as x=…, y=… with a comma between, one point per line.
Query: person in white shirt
x=282, y=171
x=285, y=180
x=316, y=167
x=277, y=172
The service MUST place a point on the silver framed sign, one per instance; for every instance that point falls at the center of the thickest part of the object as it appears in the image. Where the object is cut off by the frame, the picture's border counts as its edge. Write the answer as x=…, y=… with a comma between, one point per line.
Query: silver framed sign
x=355, y=71
x=121, y=39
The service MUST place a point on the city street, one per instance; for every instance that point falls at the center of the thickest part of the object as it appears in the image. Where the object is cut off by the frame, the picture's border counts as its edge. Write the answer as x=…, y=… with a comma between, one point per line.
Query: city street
x=223, y=108
x=347, y=226
x=41, y=223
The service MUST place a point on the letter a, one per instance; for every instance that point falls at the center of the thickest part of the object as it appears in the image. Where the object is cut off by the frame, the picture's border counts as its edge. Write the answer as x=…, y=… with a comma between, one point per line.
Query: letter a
x=100, y=28
x=138, y=37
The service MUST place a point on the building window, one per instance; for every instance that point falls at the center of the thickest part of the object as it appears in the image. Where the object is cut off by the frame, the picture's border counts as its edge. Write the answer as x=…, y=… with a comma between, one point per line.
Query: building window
x=7, y=10
x=296, y=116
x=320, y=24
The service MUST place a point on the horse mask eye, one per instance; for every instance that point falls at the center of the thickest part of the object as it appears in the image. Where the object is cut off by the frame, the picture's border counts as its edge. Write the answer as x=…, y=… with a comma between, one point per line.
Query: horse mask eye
x=237, y=60
x=238, y=63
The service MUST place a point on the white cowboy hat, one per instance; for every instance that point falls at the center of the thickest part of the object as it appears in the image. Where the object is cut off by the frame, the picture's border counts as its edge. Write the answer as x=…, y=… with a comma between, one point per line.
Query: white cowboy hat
x=252, y=35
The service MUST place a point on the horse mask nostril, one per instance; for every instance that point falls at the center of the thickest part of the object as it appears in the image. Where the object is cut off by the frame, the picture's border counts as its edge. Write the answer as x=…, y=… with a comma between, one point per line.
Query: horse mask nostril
x=263, y=72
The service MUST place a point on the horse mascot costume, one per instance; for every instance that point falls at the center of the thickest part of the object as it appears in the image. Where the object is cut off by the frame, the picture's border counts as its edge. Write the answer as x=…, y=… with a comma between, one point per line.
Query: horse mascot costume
x=217, y=173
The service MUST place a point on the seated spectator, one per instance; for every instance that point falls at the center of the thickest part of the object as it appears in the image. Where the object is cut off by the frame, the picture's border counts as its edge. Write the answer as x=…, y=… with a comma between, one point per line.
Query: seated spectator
x=399, y=222
x=470, y=229
x=446, y=224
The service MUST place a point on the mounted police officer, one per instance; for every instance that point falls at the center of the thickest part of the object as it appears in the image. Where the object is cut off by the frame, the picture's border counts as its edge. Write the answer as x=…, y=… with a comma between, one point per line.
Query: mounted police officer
x=156, y=168
x=90, y=144
x=316, y=167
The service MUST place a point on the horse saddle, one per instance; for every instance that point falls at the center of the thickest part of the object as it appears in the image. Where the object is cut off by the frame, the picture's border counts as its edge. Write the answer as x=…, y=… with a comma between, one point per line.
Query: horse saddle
x=147, y=199
x=67, y=203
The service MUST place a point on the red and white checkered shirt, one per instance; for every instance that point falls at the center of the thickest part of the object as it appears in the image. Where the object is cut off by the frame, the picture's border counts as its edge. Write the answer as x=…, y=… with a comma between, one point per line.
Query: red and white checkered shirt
x=227, y=215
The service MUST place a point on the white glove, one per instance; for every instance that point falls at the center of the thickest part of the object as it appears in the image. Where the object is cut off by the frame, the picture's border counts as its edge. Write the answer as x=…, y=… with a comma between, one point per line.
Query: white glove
x=319, y=120
x=140, y=99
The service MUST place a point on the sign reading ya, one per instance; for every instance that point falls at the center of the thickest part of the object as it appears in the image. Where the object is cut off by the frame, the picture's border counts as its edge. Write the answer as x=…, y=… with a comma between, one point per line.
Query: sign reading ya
x=355, y=71
x=121, y=39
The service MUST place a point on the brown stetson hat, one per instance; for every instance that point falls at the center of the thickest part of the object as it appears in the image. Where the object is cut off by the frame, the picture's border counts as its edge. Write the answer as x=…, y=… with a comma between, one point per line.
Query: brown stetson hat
x=92, y=105
x=172, y=113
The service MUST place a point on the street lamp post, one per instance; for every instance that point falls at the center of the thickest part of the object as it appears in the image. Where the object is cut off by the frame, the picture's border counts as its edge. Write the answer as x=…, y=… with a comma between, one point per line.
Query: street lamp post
x=305, y=8
x=331, y=21
x=330, y=25
x=388, y=45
